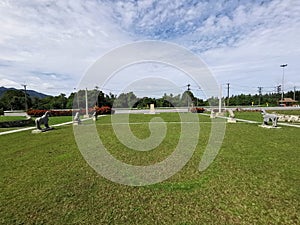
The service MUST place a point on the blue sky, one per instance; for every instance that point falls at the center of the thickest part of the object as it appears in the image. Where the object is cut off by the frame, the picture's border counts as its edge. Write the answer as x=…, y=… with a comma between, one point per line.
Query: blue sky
x=49, y=44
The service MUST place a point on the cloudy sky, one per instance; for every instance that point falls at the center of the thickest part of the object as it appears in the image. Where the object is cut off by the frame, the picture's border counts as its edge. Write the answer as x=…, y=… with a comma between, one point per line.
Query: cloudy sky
x=49, y=44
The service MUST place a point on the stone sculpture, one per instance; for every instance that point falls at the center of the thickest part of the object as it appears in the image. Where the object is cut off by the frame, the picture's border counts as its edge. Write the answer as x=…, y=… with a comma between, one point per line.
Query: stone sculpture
x=267, y=117
x=231, y=118
x=43, y=120
x=95, y=116
x=76, y=119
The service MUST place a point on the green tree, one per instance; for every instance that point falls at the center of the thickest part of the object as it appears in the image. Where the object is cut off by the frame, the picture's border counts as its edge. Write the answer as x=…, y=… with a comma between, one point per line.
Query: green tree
x=125, y=100
x=15, y=100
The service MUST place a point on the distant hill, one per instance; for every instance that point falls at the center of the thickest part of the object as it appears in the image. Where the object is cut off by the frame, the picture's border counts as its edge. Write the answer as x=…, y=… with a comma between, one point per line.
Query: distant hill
x=31, y=93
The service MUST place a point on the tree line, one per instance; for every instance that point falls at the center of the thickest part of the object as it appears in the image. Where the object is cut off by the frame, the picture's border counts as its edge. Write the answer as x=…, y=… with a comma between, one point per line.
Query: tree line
x=15, y=100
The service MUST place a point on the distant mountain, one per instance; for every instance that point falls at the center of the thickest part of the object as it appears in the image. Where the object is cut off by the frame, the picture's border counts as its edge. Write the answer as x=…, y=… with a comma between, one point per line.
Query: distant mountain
x=31, y=93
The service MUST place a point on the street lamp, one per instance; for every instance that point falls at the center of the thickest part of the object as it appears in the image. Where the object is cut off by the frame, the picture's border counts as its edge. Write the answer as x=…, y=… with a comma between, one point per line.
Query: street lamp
x=282, y=87
x=97, y=92
x=77, y=93
x=26, y=106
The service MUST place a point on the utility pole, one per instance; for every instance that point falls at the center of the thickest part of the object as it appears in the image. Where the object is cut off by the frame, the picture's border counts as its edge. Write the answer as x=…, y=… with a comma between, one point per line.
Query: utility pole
x=86, y=104
x=259, y=94
x=26, y=106
x=188, y=97
x=282, y=85
x=278, y=89
x=228, y=94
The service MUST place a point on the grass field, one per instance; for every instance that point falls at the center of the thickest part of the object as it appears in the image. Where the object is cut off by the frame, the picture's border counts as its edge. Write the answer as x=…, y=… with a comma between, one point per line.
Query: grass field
x=52, y=121
x=11, y=118
x=256, y=116
x=255, y=178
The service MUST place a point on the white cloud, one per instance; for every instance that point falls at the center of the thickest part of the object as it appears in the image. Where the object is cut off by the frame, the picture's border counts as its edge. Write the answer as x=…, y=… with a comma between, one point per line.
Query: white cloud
x=241, y=41
x=57, y=36
x=8, y=83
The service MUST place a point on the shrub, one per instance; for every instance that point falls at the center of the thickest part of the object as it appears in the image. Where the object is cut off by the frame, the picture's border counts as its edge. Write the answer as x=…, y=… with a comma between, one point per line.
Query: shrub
x=100, y=111
x=197, y=110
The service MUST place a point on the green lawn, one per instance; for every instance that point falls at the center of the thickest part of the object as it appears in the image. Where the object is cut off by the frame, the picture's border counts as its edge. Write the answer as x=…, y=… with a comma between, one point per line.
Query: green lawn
x=59, y=119
x=52, y=121
x=257, y=116
x=11, y=118
x=287, y=112
x=255, y=179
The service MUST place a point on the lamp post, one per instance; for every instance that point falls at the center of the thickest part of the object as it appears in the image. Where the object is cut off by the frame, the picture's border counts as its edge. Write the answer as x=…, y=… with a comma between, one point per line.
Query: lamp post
x=282, y=87
x=97, y=92
x=76, y=93
x=26, y=106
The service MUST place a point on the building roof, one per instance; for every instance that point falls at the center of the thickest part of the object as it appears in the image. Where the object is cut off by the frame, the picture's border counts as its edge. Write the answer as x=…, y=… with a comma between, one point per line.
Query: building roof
x=287, y=100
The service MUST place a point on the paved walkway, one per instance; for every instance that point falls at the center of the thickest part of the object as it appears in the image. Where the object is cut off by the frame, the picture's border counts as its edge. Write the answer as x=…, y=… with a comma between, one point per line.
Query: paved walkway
x=32, y=128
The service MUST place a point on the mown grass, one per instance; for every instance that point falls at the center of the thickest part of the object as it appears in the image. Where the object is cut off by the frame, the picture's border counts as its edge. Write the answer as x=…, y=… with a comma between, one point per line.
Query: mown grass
x=11, y=118
x=59, y=119
x=52, y=121
x=287, y=112
x=254, y=179
x=253, y=116
x=257, y=116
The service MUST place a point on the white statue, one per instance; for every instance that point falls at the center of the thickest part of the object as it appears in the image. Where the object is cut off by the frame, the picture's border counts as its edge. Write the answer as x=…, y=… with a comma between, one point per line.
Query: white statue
x=267, y=117
x=95, y=116
x=76, y=119
x=42, y=120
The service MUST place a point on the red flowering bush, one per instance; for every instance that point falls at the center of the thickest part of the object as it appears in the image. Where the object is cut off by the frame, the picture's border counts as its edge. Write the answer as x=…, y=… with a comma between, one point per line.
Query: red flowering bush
x=100, y=111
x=40, y=112
x=197, y=110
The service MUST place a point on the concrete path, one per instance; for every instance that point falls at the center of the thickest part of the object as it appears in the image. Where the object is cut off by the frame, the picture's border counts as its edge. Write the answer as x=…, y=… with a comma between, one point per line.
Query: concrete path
x=32, y=128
